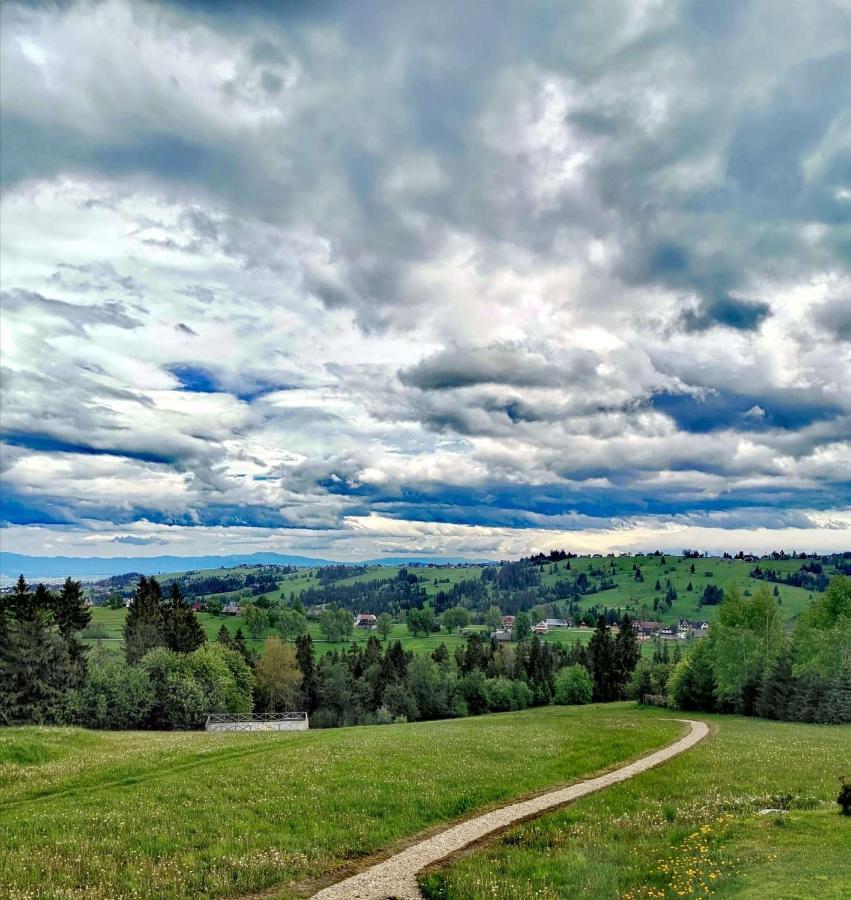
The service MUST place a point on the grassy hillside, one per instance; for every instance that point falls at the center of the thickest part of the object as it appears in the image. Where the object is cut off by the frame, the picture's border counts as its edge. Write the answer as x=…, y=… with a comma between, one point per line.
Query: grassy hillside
x=151, y=815
x=690, y=828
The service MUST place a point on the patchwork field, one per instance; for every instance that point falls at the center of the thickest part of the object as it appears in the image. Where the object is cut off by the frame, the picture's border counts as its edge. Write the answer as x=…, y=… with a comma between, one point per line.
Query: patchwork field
x=111, y=815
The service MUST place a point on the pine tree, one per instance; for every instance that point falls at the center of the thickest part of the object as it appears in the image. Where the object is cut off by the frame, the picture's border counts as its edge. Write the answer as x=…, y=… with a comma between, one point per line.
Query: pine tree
x=223, y=635
x=35, y=664
x=5, y=659
x=838, y=702
x=307, y=664
x=181, y=629
x=626, y=653
x=143, y=627
x=72, y=615
x=239, y=644
x=777, y=690
x=601, y=657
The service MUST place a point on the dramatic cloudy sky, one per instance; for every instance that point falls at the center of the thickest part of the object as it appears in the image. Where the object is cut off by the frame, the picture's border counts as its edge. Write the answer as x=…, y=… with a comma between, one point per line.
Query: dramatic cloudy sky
x=350, y=279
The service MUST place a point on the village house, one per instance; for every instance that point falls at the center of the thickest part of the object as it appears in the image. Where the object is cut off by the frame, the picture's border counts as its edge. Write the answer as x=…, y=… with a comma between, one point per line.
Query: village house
x=557, y=623
x=541, y=628
x=231, y=608
x=501, y=636
x=695, y=629
x=646, y=630
x=366, y=620
x=508, y=621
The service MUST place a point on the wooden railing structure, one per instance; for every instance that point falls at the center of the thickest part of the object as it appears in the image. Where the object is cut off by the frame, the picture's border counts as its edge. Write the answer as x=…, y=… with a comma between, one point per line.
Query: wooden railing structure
x=287, y=721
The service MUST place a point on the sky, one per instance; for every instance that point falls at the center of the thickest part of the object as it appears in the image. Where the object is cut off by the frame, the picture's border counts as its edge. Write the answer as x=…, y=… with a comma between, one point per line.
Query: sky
x=363, y=279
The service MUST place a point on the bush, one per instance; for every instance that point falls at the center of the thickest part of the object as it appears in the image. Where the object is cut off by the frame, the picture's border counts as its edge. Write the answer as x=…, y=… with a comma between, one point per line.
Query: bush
x=500, y=695
x=521, y=695
x=188, y=687
x=573, y=685
x=114, y=695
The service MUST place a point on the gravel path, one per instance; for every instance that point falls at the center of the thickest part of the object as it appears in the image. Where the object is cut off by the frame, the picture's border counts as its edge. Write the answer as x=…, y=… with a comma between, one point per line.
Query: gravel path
x=396, y=877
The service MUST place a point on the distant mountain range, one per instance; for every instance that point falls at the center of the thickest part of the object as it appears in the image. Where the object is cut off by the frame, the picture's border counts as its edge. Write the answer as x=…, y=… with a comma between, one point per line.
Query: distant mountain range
x=14, y=564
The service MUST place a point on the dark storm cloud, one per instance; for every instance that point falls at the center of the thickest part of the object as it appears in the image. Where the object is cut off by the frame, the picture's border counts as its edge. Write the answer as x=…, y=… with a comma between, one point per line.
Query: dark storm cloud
x=467, y=367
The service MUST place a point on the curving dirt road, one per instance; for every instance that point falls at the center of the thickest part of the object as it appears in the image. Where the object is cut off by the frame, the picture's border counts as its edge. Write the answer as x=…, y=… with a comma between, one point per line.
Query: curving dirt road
x=397, y=876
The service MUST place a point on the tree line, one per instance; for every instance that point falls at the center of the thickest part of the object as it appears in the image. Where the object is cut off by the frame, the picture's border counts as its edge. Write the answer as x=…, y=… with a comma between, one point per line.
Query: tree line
x=749, y=664
x=168, y=676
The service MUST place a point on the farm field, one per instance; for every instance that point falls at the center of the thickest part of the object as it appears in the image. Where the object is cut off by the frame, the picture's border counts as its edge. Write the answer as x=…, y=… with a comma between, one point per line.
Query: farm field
x=689, y=828
x=113, y=815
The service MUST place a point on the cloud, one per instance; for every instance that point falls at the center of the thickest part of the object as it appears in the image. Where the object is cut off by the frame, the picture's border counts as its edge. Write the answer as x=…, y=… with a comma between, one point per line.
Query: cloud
x=422, y=276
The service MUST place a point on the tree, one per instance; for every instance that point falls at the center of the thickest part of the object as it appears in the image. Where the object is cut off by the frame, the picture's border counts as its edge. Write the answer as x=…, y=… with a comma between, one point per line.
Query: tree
x=223, y=635
x=335, y=623
x=456, y=617
x=256, y=620
x=291, y=623
x=420, y=620
x=143, y=627
x=239, y=644
x=522, y=630
x=34, y=663
x=306, y=660
x=493, y=618
x=822, y=642
x=384, y=625
x=777, y=690
x=601, y=659
x=72, y=614
x=573, y=685
x=692, y=681
x=278, y=675
x=627, y=653
x=745, y=639
x=182, y=632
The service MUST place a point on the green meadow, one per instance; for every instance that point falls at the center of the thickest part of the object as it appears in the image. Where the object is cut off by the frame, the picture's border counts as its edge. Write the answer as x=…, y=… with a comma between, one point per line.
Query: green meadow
x=691, y=827
x=114, y=815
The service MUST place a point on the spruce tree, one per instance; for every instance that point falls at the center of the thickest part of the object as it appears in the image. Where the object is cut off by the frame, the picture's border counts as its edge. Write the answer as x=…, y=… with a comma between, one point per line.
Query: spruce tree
x=838, y=702
x=626, y=652
x=239, y=644
x=223, y=635
x=5, y=659
x=777, y=690
x=307, y=664
x=143, y=627
x=35, y=664
x=72, y=615
x=181, y=629
x=601, y=658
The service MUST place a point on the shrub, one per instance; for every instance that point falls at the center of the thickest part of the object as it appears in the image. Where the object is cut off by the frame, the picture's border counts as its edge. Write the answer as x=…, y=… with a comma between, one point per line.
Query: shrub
x=114, y=695
x=499, y=694
x=573, y=685
x=844, y=798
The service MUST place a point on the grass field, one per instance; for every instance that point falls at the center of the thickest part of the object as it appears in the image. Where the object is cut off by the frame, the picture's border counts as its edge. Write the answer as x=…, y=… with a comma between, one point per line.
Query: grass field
x=689, y=828
x=113, y=815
